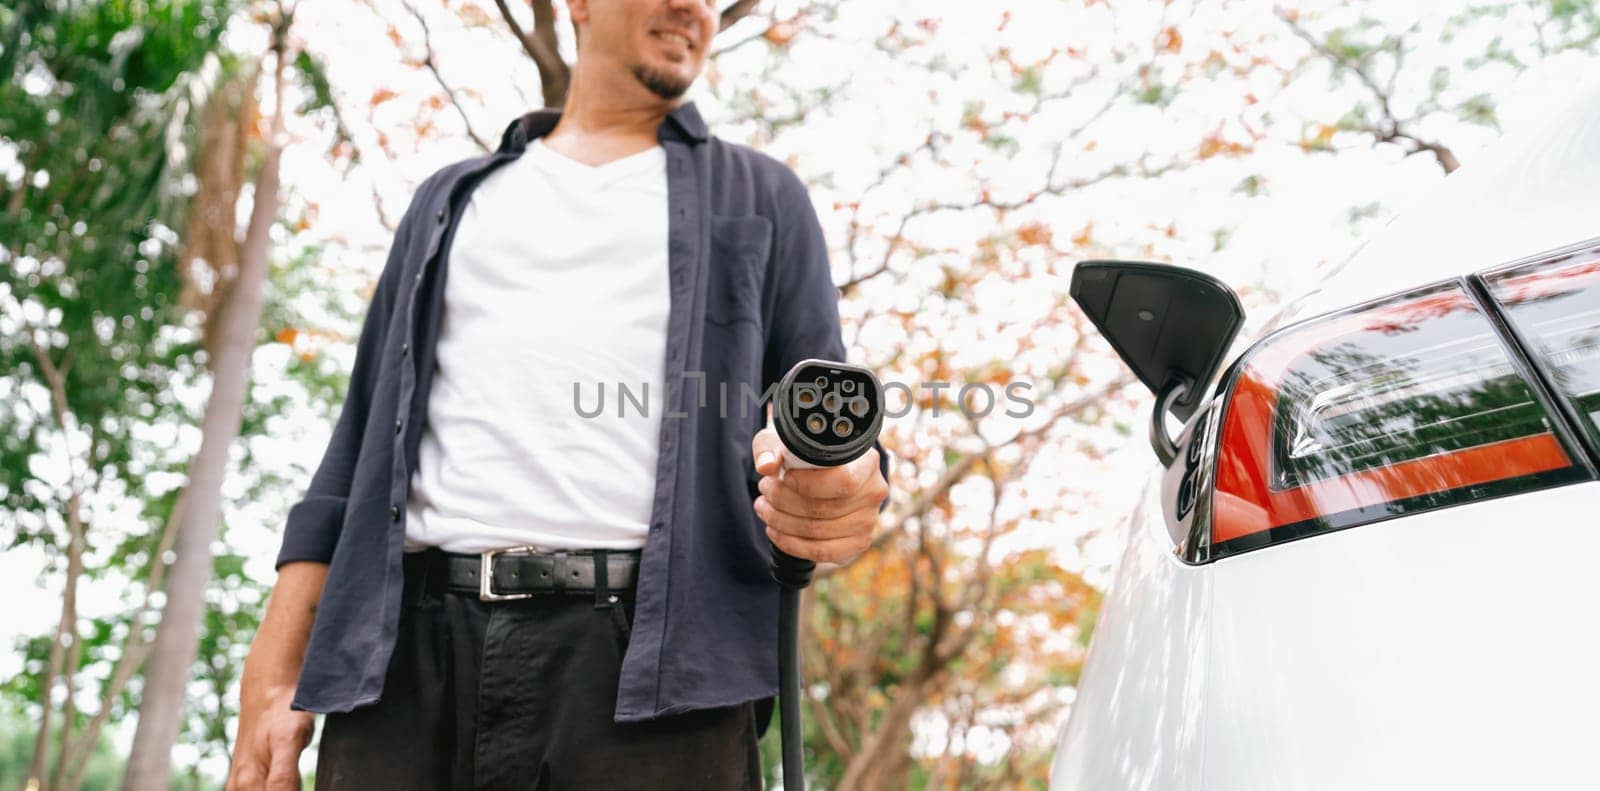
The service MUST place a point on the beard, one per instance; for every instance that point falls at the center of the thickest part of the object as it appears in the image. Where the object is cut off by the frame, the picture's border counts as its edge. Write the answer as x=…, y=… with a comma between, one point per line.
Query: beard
x=660, y=83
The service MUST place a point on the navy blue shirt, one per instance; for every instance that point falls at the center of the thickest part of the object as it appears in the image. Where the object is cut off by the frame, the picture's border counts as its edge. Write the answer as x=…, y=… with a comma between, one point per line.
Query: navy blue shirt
x=750, y=294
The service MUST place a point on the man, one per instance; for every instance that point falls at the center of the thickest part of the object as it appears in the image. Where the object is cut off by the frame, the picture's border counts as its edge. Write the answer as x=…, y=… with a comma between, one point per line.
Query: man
x=629, y=638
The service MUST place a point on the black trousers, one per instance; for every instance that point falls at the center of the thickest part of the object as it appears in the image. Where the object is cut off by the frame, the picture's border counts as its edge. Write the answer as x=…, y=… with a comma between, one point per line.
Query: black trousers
x=519, y=695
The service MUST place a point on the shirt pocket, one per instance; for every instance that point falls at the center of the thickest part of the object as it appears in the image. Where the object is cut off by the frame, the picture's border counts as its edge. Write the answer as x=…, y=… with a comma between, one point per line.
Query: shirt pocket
x=739, y=250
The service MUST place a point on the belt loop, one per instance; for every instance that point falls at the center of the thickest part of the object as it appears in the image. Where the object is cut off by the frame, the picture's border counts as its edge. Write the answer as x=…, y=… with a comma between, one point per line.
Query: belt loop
x=602, y=583
x=560, y=573
x=416, y=588
x=438, y=578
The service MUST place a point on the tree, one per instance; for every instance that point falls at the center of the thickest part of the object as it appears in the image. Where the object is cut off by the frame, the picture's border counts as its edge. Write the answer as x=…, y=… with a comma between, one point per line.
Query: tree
x=113, y=316
x=1396, y=99
x=232, y=321
x=92, y=94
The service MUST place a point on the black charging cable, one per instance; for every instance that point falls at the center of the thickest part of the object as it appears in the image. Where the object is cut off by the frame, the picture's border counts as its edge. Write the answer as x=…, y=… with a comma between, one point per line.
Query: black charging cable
x=826, y=414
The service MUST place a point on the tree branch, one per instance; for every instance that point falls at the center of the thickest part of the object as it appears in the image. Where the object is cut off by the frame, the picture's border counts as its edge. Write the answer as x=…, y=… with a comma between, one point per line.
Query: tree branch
x=541, y=45
x=1389, y=128
x=979, y=588
x=1050, y=188
x=55, y=378
x=134, y=649
x=736, y=12
x=433, y=68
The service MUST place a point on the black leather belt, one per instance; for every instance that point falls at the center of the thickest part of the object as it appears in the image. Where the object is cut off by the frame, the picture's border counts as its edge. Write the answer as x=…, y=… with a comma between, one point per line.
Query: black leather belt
x=521, y=572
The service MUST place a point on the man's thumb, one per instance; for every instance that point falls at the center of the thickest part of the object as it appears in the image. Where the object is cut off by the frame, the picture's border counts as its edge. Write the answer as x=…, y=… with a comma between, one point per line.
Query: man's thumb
x=767, y=450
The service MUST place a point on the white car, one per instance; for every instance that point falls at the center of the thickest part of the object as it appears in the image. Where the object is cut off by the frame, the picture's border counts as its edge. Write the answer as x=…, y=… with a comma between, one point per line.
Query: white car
x=1371, y=557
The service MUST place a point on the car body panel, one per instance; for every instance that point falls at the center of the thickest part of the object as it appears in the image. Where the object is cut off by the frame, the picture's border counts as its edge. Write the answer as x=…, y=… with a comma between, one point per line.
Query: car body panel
x=1136, y=720
x=1448, y=649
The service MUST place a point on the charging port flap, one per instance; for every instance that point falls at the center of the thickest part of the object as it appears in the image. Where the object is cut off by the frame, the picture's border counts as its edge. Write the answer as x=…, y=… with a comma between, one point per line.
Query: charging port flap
x=1171, y=325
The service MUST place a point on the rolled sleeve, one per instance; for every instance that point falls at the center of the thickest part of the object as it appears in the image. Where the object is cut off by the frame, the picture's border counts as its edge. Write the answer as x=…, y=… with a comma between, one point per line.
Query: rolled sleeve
x=312, y=529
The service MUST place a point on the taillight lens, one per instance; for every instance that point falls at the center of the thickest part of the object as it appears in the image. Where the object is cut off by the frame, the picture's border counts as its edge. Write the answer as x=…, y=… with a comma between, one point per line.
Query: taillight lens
x=1555, y=306
x=1406, y=404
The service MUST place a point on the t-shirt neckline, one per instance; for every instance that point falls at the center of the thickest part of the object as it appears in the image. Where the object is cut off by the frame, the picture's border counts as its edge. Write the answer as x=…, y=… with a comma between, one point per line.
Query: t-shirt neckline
x=601, y=173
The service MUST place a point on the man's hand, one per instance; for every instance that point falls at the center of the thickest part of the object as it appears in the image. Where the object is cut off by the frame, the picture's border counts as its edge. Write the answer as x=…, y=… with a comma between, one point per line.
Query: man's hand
x=266, y=750
x=271, y=737
x=826, y=515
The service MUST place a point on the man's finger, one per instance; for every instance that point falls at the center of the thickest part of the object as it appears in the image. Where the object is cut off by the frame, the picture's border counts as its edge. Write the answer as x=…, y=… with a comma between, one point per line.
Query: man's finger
x=250, y=756
x=852, y=524
x=782, y=495
x=249, y=777
x=836, y=550
x=283, y=773
x=767, y=450
x=846, y=481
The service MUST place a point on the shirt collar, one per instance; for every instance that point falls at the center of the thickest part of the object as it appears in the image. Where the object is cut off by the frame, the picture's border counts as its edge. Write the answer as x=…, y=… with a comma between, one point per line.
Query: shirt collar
x=683, y=123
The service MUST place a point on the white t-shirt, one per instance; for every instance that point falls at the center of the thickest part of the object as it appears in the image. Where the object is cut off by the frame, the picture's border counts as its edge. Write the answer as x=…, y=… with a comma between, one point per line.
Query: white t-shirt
x=557, y=275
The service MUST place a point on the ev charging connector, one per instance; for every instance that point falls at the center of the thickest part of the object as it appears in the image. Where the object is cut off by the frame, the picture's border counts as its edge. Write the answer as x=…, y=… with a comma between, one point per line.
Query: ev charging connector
x=826, y=414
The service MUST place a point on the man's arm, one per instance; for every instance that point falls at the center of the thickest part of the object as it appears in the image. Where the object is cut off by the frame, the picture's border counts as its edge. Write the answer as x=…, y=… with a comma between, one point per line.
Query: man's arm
x=826, y=514
x=271, y=735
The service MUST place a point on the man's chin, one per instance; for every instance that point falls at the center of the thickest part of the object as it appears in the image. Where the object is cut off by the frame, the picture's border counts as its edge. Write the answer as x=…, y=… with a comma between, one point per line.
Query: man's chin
x=663, y=84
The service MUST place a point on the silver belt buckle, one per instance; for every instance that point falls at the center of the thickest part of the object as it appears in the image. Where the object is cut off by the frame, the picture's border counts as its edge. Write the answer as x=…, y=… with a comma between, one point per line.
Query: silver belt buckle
x=486, y=575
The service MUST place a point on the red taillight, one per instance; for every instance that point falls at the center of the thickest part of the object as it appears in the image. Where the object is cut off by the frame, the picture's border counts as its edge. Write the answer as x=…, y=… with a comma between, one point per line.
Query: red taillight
x=1405, y=404
x=1554, y=304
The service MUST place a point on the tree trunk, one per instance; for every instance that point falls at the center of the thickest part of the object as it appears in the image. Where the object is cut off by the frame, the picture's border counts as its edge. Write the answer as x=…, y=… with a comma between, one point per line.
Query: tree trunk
x=172, y=654
x=64, y=648
x=77, y=751
x=885, y=758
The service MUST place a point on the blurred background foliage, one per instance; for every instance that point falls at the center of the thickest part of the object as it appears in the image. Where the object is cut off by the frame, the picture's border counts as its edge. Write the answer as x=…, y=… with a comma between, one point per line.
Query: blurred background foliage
x=962, y=155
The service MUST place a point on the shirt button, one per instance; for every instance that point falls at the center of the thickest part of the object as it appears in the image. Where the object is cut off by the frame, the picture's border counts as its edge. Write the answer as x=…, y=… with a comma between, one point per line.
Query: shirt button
x=439, y=216
x=397, y=426
x=404, y=349
x=394, y=513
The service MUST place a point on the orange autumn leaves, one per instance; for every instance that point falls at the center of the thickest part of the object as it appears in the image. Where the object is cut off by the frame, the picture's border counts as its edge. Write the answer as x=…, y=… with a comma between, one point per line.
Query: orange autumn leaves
x=877, y=613
x=1169, y=40
x=307, y=343
x=1320, y=140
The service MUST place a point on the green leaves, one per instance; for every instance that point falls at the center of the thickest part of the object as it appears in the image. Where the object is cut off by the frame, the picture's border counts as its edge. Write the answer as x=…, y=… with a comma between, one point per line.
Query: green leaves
x=1478, y=109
